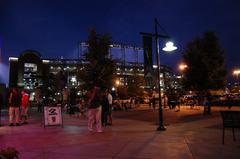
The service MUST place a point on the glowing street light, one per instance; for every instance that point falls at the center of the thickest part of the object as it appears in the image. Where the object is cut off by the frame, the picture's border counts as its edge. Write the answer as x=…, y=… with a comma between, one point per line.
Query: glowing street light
x=169, y=47
x=182, y=67
x=115, y=89
x=236, y=72
x=117, y=82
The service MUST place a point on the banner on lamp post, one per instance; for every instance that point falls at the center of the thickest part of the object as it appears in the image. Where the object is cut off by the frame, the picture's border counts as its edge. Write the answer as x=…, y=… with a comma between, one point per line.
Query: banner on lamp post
x=148, y=61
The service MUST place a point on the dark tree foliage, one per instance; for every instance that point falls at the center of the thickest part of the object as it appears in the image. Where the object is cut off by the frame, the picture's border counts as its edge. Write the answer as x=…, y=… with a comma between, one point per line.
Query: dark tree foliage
x=100, y=68
x=134, y=86
x=122, y=92
x=205, y=61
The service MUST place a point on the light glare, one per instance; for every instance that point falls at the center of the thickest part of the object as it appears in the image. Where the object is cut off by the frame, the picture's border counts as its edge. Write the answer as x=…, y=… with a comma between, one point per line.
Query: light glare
x=169, y=47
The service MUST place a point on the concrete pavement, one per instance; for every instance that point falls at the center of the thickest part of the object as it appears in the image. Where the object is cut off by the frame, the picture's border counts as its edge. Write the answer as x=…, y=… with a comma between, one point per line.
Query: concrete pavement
x=126, y=139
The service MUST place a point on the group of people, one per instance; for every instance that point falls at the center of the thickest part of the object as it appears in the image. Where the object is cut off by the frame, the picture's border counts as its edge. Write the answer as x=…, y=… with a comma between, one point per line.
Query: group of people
x=99, y=108
x=18, y=107
x=171, y=102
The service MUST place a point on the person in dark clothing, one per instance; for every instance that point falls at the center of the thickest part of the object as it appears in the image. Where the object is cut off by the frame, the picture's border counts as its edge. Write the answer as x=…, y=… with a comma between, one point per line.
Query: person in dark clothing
x=207, y=107
x=95, y=110
x=38, y=98
x=105, y=108
x=154, y=103
x=14, y=102
x=73, y=96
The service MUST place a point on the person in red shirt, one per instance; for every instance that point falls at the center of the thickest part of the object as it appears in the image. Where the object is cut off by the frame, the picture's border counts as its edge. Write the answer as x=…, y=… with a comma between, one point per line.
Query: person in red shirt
x=24, y=107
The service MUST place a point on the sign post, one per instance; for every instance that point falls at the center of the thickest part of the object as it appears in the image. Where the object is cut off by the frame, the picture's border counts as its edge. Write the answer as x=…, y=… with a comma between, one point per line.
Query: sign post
x=53, y=116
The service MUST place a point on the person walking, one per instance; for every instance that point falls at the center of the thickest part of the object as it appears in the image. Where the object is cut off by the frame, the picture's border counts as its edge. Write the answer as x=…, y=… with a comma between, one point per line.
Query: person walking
x=105, y=107
x=207, y=105
x=24, y=107
x=65, y=98
x=110, y=101
x=72, y=102
x=14, y=106
x=38, y=98
x=154, y=103
x=95, y=110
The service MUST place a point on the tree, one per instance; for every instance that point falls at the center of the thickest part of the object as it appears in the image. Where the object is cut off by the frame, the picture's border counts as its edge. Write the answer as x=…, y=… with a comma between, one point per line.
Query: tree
x=205, y=60
x=134, y=86
x=99, y=68
x=122, y=92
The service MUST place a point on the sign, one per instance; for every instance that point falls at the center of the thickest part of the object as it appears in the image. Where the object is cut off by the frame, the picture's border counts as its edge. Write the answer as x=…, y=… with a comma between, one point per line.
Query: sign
x=52, y=116
x=147, y=51
x=148, y=61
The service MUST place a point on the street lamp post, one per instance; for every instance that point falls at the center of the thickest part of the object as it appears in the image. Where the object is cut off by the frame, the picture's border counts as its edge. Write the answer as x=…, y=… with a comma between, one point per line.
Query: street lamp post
x=169, y=47
x=160, y=111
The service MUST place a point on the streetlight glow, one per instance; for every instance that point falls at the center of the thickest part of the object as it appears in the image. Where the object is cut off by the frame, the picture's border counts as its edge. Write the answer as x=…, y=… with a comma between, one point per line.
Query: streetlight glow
x=117, y=82
x=169, y=46
x=73, y=79
x=236, y=72
x=182, y=67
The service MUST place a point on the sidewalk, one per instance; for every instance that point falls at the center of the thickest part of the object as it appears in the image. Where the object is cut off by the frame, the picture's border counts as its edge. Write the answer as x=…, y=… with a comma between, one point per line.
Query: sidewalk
x=126, y=139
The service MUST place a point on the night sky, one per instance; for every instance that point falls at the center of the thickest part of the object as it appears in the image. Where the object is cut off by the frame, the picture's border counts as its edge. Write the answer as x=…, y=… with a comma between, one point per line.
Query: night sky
x=53, y=27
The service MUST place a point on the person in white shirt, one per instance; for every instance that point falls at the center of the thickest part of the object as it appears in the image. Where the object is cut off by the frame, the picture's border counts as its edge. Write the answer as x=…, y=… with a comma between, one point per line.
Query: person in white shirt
x=110, y=99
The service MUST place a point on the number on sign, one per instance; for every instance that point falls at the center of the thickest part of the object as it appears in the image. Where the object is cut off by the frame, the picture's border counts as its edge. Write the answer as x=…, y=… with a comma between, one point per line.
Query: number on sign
x=52, y=111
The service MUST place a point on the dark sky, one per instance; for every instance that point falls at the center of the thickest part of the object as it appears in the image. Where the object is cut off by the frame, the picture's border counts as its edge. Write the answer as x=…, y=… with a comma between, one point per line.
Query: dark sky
x=53, y=27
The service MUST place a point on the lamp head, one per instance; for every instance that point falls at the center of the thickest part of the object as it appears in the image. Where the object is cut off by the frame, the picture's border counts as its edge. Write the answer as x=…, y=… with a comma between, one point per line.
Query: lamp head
x=236, y=72
x=169, y=47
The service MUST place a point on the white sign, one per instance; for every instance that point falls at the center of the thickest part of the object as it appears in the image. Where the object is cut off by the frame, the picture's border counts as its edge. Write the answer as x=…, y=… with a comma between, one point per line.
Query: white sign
x=52, y=116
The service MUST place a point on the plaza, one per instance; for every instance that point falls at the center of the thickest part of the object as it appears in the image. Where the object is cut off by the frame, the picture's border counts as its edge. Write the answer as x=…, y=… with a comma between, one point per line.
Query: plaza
x=189, y=135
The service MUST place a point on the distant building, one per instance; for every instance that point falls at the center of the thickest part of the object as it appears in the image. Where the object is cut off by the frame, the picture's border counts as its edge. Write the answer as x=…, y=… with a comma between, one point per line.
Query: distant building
x=30, y=69
x=27, y=70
